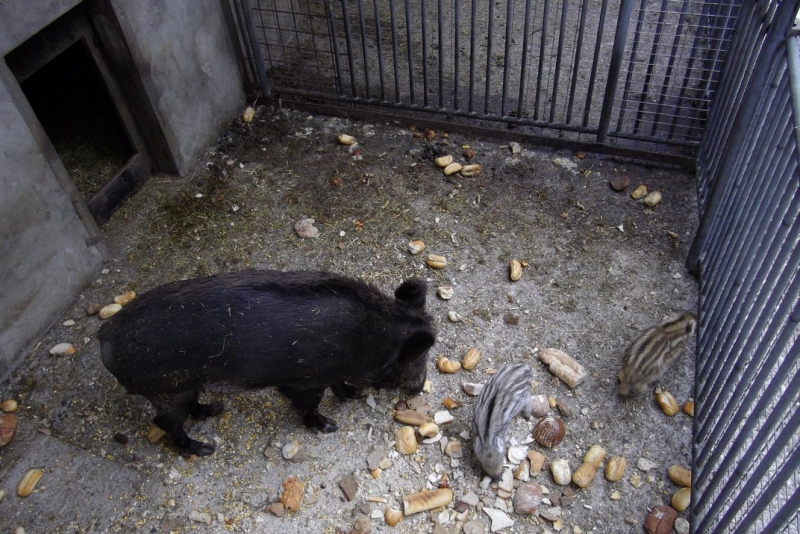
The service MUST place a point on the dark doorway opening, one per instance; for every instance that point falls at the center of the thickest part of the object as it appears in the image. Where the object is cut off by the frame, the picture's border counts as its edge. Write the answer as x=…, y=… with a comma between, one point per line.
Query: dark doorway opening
x=74, y=107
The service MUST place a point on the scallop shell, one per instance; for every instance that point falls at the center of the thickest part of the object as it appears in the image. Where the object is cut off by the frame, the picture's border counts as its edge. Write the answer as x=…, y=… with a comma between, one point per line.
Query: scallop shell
x=549, y=431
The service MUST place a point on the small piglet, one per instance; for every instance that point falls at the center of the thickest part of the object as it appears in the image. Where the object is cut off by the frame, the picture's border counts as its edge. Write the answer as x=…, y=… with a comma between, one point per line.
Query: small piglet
x=301, y=332
x=503, y=397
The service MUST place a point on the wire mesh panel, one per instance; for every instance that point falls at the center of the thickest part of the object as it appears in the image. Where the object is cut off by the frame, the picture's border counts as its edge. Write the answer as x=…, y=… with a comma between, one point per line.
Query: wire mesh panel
x=638, y=74
x=747, y=421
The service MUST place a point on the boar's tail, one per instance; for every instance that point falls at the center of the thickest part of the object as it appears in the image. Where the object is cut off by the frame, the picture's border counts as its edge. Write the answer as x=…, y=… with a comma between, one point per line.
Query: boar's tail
x=413, y=293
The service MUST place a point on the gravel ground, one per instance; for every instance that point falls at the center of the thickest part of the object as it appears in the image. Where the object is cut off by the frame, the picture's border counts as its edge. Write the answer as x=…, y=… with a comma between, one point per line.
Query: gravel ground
x=599, y=268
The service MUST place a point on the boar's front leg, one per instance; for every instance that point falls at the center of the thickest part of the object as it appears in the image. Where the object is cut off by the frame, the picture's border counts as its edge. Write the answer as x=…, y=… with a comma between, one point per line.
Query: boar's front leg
x=307, y=401
x=346, y=391
x=174, y=409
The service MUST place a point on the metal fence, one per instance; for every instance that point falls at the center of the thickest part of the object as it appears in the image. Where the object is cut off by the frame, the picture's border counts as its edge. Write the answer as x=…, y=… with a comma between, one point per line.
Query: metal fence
x=632, y=75
x=746, y=465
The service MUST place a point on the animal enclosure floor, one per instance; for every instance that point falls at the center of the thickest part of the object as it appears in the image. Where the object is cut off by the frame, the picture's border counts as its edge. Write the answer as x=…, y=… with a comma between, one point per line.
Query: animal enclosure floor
x=599, y=268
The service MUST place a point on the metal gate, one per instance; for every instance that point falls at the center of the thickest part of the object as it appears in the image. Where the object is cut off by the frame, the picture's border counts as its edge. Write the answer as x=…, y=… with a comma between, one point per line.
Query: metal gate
x=625, y=76
x=746, y=464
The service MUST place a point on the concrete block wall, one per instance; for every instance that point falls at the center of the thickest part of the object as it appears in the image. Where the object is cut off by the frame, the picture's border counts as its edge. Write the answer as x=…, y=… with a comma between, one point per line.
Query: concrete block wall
x=50, y=247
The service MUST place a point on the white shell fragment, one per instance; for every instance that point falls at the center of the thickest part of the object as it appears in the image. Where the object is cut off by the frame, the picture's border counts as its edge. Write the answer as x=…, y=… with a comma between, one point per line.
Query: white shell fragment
x=442, y=417
x=305, y=228
x=500, y=519
x=564, y=367
x=517, y=454
x=473, y=390
x=445, y=292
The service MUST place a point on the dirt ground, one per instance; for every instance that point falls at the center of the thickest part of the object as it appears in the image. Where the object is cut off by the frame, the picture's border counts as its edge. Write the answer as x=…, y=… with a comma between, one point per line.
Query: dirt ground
x=600, y=267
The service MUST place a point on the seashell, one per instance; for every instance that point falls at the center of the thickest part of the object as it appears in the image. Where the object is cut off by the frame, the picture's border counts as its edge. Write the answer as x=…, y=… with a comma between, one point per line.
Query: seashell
x=562, y=474
x=680, y=476
x=517, y=455
x=428, y=429
x=549, y=431
x=450, y=403
x=63, y=349
x=125, y=298
x=666, y=401
x=447, y=366
x=435, y=261
x=615, y=468
x=109, y=310
x=411, y=417
x=652, y=198
x=470, y=359
x=473, y=169
x=416, y=246
x=249, y=114
x=28, y=482
x=405, y=440
x=639, y=192
x=595, y=455
x=345, y=139
x=688, y=407
x=445, y=292
x=9, y=406
x=392, y=516
x=452, y=168
x=584, y=475
x=681, y=499
x=515, y=270
x=426, y=500
x=443, y=161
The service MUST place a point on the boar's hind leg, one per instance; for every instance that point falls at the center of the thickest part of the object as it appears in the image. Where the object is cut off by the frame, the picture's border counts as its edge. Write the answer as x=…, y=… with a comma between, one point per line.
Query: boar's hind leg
x=346, y=391
x=173, y=410
x=307, y=401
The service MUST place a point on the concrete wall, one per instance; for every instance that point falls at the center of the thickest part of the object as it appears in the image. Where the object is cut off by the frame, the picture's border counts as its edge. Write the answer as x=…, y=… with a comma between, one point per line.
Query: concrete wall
x=50, y=247
x=186, y=60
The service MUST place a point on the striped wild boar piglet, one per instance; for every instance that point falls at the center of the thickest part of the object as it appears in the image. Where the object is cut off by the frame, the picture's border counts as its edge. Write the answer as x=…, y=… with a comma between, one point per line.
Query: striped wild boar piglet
x=301, y=332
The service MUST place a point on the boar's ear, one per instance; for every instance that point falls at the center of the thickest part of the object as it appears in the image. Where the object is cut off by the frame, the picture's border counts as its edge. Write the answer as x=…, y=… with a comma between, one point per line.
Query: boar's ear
x=412, y=292
x=417, y=344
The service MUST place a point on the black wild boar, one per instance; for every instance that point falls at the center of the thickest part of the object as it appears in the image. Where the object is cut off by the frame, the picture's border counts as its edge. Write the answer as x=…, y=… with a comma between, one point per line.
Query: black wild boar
x=301, y=332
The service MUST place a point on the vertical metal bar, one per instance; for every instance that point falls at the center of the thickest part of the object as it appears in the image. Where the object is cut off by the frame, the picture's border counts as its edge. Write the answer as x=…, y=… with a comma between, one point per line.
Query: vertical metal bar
x=380, y=48
x=456, y=52
x=595, y=62
x=258, y=58
x=621, y=35
x=561, y=32
x=651, y=63
x=623, y=105
x=523, y=74
x=794, y=83
x=364, y=58
x=441, y=55
x=335, y=45
x=410, y=48
x=670, y=65
x=349, y=41
x=394, y=53
x=489, y=37
x=577, y=60
x=506, y=56
x=424, y=16
x=542, y=55
x=472, y=34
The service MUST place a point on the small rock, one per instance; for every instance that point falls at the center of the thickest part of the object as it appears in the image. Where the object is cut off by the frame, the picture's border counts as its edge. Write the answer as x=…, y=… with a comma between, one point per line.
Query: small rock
x=442, y=417
x=453, y=317
x=562, y=474
x=527, y=499
x=506, y=481
x=539, y=405
x=660, y=520
x=646, y=465
x=453, y=449
x=636, y=481
x=517, y=454
x=565, y=163
x=620, y=182
x=473, y=390
x=616, y=495
x=468, y=155
x=445, y=292
x=551, y=514
x=681, y=526
x=68, y=322
x=515, y=147
x=363, y=523
x=476, y=526
x=652, y=198
x=349, y=486
x=200, y=517
x=499, y=519
x=120, y=438
x=563, y=407
x=305, y=228
x=300, y=456
x=93, y=309
x=277, y=509
x=270, y=452
x=470, y=498
x=375, y=458
x=290, y=449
